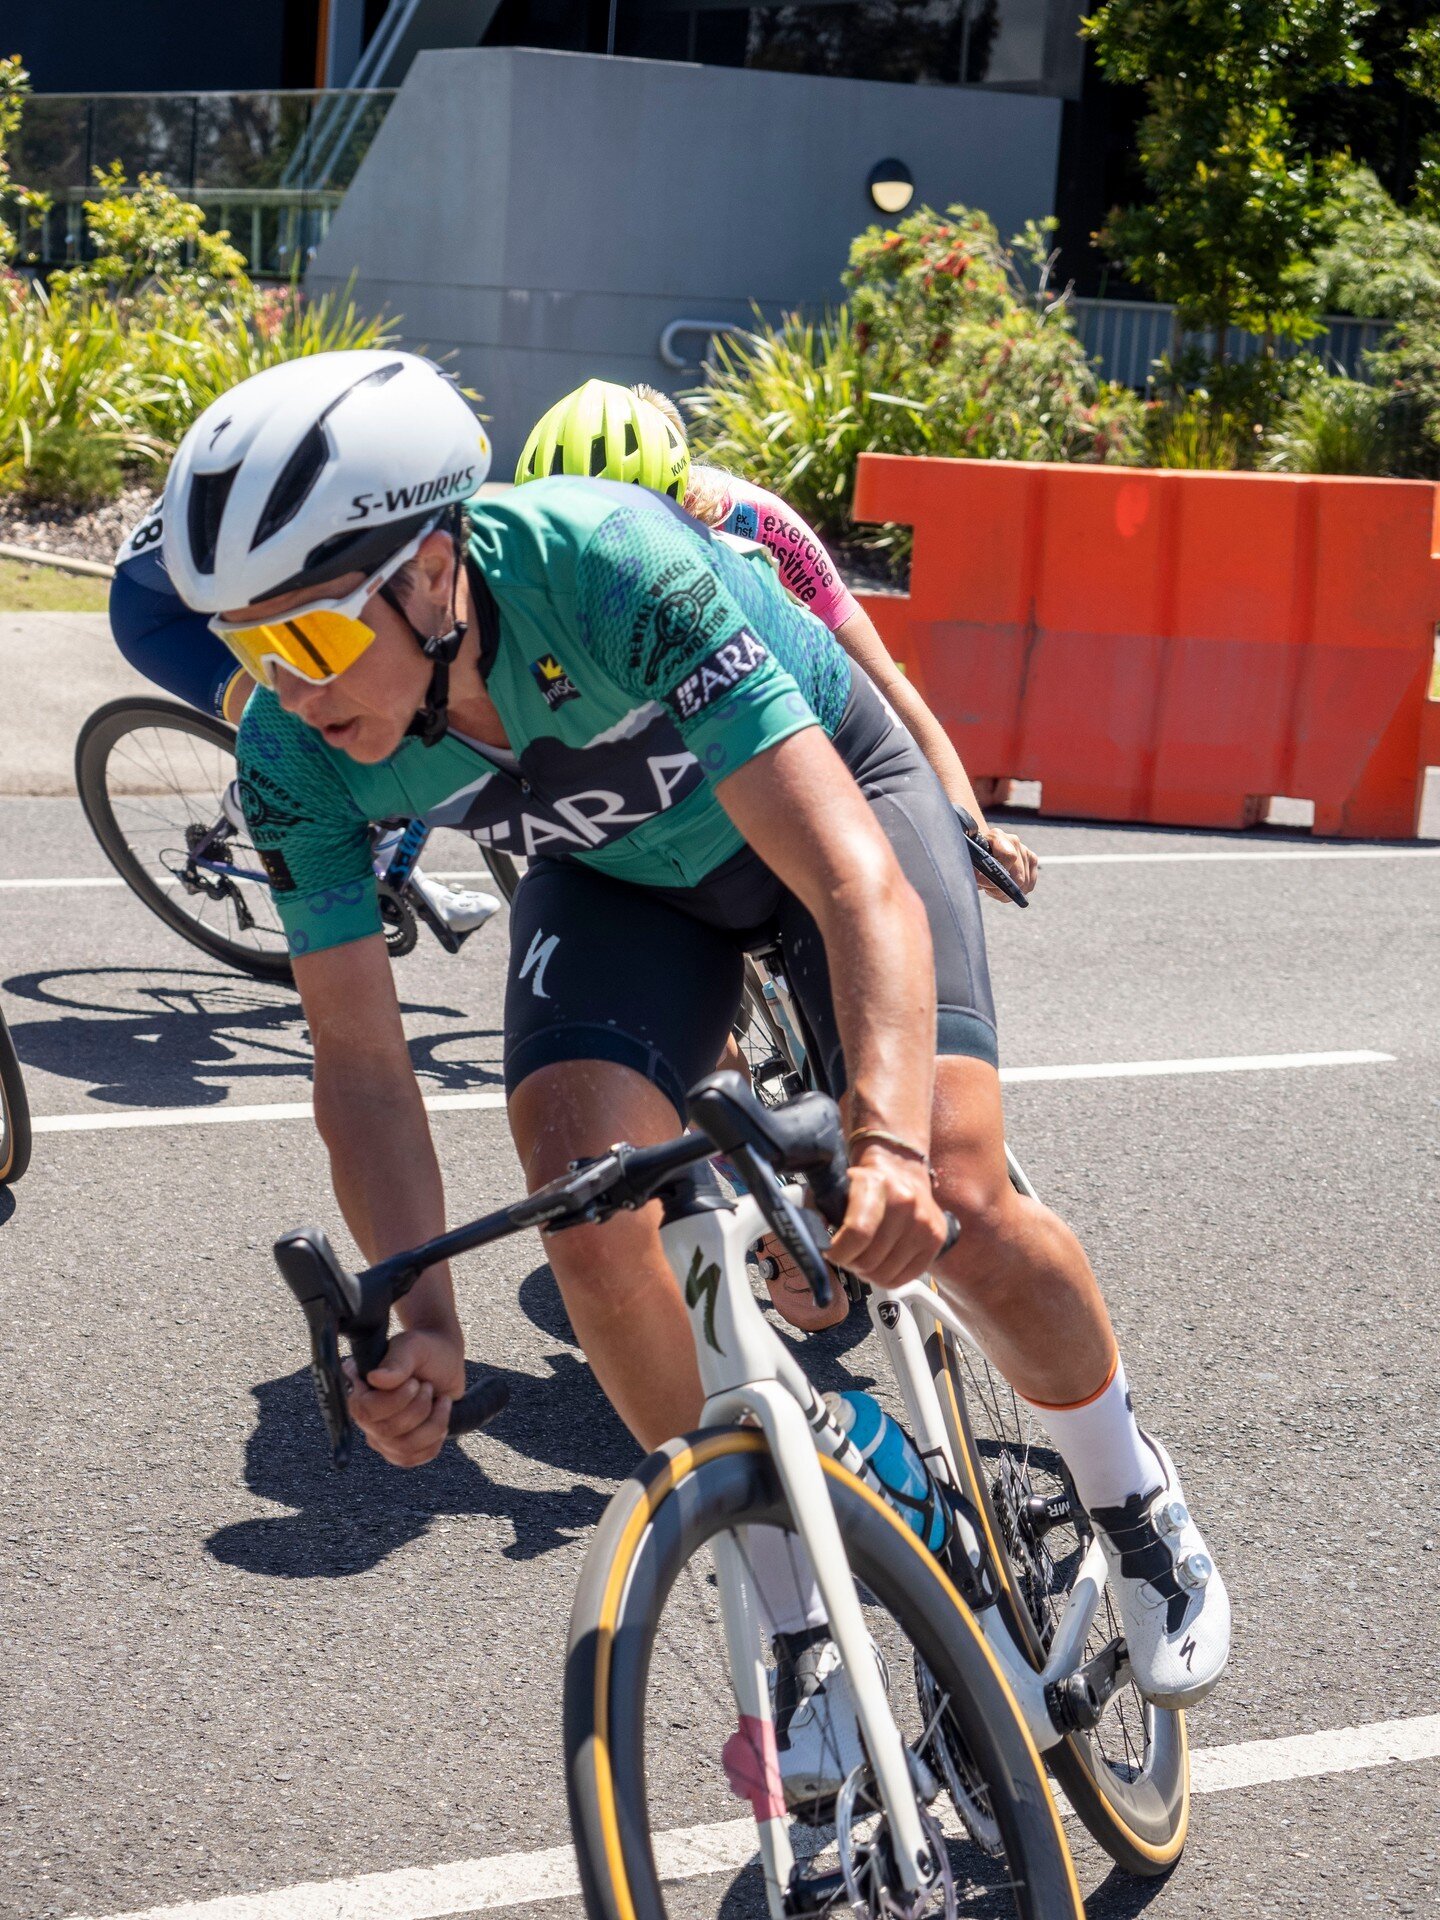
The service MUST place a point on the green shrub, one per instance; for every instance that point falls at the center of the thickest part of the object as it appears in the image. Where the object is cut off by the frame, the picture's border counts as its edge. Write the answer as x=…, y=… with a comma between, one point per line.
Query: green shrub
x=1338, y=426
x=941, y=350
x=1192, y=432
x=146, y=236
x=193, y=354
x=72, y=400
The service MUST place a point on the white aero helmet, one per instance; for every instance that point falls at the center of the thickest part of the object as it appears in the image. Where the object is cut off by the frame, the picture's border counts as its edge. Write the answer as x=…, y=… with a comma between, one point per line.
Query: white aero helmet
x=315, y=468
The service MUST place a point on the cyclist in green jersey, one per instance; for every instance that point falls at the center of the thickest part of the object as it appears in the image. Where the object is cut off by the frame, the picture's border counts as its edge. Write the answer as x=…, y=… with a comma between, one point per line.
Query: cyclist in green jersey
x=581, y=672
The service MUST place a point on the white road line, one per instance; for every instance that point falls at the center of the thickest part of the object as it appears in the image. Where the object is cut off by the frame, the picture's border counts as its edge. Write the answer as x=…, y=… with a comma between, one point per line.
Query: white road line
x=228, y=1115
x=1249, y=853
x=1237, y=1063
x=520, y=1879
x=108, y=881
x=1046, y=859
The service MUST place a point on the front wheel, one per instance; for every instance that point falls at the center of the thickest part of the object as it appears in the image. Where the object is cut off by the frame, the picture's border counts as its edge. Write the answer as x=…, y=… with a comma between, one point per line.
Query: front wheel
x=14, y=1112
x=651, y=1718
x=154, y=778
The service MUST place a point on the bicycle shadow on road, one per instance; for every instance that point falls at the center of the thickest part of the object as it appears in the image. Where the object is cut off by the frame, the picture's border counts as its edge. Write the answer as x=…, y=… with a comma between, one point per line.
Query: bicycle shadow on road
x=1123, y=1896
x=348, y=1522
x=168, y=1037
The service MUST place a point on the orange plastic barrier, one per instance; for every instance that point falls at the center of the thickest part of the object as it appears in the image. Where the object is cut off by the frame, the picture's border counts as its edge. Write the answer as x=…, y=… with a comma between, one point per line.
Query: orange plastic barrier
x=1173, y=647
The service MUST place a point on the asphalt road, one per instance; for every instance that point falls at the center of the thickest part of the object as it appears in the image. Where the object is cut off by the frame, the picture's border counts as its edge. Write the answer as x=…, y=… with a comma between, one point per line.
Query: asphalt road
x=227, y=1670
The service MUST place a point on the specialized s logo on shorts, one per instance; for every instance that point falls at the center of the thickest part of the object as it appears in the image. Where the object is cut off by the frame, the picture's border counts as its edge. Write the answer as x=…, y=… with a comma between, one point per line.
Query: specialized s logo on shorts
x=717, y=674
x=553, y=681
x=536, y=961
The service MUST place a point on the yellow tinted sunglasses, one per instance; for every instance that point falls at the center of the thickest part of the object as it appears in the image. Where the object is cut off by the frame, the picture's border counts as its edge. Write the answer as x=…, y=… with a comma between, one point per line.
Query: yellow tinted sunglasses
x=317, y=641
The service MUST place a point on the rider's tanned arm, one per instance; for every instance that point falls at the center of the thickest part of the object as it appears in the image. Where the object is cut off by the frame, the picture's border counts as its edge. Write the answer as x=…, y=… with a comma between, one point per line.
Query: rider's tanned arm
x=800, y=810
x=382, y=1160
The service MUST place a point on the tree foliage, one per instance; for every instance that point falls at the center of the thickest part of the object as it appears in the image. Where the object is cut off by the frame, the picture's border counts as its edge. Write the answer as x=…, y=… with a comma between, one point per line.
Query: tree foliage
x=14, y=85
x=1235, y=203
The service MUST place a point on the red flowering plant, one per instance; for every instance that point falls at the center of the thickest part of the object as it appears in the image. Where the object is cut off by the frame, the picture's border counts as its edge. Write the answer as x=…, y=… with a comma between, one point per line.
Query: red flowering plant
x=943, y=348
x=976, y=347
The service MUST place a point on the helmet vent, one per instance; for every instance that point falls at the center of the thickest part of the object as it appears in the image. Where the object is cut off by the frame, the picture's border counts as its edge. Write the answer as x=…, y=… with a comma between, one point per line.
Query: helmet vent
x=208, y=494
x=297, y=477
x=632, y=439
x=598, y=456
x=557, y=462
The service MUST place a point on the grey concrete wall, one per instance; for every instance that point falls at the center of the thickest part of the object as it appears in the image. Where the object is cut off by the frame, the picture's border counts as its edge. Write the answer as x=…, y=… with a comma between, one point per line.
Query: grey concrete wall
x=547, y=214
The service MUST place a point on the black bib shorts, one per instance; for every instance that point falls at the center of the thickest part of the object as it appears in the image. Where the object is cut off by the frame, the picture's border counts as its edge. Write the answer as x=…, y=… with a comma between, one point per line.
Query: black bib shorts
x=650, y=977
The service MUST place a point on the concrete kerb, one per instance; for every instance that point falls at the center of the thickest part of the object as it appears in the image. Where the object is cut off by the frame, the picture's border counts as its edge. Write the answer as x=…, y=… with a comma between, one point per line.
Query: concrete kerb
x=64, y=562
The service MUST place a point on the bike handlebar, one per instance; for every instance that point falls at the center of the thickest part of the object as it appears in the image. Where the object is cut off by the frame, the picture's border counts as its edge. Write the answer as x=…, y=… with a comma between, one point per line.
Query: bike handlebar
x=803, y=1137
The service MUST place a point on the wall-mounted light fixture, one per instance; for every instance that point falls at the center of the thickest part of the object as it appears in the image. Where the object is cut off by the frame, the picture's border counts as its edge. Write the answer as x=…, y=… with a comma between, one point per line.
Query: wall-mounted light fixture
x=892, y=186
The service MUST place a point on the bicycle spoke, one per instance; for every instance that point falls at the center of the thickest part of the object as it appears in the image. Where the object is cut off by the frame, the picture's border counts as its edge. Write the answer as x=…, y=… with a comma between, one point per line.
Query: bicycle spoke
x=692, y=1730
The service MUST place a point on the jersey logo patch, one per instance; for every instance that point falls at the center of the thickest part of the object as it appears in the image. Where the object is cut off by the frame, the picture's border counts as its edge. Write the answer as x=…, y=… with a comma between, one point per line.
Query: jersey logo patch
x=277, y=867
x=553, y=681
x=725, y=668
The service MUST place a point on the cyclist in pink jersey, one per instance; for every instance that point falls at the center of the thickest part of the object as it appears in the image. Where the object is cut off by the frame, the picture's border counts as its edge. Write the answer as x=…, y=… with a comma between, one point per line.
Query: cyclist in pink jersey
x=735, y=506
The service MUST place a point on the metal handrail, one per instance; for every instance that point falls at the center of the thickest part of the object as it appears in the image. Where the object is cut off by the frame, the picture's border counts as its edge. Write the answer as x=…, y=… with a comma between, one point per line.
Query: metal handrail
x=710, y=328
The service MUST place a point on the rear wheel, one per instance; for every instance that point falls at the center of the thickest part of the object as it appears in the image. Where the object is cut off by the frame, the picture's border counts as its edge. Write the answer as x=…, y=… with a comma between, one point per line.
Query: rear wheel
x=151, y=776
x=767, y=1048
x=652, y=1741
x=1128, y=1778
x=14, y=1112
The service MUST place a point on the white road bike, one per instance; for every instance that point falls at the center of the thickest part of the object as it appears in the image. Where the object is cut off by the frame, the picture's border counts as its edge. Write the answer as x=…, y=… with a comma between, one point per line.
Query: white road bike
x=669, y=1711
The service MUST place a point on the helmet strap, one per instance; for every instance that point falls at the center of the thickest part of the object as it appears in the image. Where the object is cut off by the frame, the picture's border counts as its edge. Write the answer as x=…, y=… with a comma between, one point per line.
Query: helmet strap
x=432, y=719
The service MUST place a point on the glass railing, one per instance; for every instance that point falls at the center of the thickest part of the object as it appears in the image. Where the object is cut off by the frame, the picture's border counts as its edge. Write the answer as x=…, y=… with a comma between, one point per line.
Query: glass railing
x=270, y=167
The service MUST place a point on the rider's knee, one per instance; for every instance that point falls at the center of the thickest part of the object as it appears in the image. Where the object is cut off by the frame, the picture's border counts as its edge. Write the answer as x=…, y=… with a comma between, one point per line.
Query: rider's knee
x=606, y=1265
x=981, y=1199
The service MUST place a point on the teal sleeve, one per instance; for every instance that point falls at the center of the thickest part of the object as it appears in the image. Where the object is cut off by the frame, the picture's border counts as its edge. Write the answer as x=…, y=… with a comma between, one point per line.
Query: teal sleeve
x=661, y=617
x=312, y=838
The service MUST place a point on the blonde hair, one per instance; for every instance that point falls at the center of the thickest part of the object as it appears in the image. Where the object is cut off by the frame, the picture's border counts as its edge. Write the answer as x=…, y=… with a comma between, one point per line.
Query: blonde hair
x=708, y=494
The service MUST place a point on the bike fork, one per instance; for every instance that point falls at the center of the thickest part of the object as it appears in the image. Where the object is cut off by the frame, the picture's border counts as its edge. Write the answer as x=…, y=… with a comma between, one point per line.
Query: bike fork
x=792, y=1447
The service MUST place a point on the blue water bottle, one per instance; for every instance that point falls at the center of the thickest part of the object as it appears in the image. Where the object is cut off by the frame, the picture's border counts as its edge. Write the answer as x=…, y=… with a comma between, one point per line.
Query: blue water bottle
x=893, y=1459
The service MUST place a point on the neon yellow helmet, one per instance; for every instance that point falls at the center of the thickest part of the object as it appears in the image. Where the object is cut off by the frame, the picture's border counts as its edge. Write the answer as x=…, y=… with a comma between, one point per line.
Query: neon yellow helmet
x=603, y=431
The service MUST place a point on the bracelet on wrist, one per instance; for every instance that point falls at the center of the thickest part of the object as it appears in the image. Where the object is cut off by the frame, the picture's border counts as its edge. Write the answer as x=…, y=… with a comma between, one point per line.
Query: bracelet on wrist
x=895, y=1143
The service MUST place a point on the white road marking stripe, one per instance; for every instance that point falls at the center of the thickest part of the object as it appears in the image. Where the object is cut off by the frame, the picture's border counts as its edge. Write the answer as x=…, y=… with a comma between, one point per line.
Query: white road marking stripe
x=1046, y=860
x=228, y=1115
x=108, y=881
x=1303, y=1756
x=1238, y=1063
x=1249, y=853
x=520, y=1879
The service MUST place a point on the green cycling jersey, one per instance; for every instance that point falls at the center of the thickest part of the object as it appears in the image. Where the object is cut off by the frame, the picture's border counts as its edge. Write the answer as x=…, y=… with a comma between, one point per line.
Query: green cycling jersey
x=635, y=659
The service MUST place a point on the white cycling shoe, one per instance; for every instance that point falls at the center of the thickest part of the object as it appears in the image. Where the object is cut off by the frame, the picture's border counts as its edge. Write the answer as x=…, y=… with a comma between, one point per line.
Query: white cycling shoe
x=463, y=909
x=1172, y=1601
x=817, y=1732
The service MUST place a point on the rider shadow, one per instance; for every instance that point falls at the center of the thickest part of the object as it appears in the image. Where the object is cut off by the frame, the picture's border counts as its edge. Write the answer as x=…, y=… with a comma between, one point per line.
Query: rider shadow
x=173, y=1038
x=7, y=1205
x=349, y=1522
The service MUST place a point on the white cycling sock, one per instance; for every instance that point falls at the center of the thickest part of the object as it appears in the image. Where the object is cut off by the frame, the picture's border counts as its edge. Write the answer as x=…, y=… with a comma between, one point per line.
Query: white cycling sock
x=1101, y=1444
x=785, y=1580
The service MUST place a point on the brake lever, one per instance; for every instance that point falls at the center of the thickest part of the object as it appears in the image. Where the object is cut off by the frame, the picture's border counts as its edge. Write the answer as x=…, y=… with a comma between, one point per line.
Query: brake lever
x=786, y=1221
x=335, y=1302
